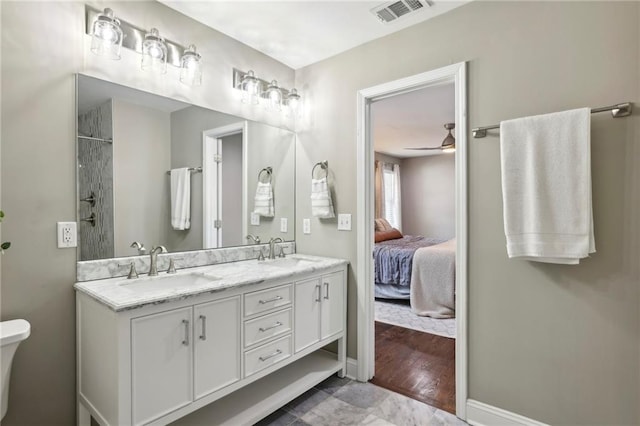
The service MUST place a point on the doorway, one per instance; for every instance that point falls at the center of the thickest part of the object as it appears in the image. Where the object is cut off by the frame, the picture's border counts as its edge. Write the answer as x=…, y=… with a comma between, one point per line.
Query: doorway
x=456, y=75
x=224, y=190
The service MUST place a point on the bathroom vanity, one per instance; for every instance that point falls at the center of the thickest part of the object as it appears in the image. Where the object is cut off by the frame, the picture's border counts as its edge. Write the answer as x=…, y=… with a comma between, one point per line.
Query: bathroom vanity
x=246, y=336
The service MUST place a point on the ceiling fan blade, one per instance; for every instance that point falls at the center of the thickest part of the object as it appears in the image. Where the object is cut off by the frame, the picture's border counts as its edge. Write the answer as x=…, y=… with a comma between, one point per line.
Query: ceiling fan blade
x=425, y=148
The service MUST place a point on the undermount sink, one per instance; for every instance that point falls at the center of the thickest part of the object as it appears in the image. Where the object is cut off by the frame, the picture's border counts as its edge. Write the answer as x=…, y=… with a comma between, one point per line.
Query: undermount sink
x=290, y=262
x=168, y=282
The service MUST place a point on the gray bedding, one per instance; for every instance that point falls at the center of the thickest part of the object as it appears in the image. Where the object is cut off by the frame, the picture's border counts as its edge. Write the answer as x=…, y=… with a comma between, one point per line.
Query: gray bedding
x=393, y=259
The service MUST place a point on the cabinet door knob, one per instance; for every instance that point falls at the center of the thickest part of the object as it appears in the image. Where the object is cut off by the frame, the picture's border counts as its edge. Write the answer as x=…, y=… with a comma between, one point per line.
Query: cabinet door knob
x=326, y=290
x=319, y=292
x=203, y=336
x=186, y=332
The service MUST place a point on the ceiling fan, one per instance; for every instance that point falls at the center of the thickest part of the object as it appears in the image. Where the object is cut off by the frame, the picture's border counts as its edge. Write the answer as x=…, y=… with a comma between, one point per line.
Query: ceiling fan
x=448, y=144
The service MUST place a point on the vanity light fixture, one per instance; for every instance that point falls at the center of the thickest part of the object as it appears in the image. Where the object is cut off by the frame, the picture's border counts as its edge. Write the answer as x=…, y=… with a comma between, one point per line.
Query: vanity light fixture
x=154, y=52
x=107, y=35
x=190, y=71
x=250, y=87
x=293, y=103
x=273, y=97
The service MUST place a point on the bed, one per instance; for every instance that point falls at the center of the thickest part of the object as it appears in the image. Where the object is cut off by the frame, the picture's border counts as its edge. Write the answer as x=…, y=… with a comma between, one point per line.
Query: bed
x=418, y=269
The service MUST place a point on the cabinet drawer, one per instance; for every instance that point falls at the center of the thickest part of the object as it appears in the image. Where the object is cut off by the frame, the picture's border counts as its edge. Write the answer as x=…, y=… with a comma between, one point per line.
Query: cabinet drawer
x=265, y=300
x=266, y=355
x=265, y=327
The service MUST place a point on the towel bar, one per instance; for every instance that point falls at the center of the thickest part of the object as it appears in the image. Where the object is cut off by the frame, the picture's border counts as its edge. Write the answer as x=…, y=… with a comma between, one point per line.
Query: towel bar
x=617, y=111
x=191, y=169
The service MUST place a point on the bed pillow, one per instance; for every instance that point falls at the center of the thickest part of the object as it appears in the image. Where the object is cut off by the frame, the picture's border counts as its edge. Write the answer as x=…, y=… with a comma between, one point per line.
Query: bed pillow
x=382, y=225
x=392, y=234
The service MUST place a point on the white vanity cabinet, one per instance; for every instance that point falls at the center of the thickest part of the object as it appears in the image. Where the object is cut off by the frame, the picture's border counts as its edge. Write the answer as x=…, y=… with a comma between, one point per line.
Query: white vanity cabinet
x=247, y=350
x=319, y=309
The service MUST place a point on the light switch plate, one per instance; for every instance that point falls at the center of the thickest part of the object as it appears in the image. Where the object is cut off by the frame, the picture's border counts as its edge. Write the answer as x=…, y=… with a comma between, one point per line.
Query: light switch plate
x=284, y=224
x=306, y=226
x=255, y=219
x=344, y=222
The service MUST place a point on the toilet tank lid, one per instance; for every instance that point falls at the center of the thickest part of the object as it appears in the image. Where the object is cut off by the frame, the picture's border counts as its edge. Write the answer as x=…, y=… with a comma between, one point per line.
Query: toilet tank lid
x=14, y=331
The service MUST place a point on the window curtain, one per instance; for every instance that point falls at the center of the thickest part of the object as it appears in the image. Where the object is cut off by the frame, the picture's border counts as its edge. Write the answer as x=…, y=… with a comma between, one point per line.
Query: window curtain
x=388, y=203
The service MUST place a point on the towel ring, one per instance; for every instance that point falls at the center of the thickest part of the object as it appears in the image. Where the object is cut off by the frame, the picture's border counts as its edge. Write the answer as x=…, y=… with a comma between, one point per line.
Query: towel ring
x=324, y=165
x=268, y=171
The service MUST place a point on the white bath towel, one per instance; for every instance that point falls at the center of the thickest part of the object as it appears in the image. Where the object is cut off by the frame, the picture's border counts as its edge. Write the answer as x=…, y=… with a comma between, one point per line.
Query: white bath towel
x=546, y=186
x=263, y=202
x=181, y=198
x=321, y=204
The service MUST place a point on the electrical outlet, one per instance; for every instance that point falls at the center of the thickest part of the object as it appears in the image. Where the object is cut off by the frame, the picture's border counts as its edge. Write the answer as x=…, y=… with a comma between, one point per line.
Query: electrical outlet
x=284, y=224
x=306, y=226
x=344, y=222
x=67, y=234
x=255, y=218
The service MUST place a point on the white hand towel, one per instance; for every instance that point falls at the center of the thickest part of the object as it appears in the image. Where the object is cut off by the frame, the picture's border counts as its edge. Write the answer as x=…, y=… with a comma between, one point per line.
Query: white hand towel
x=321, y=204
x=263, y=202
x=181, y=198
x=546, y=186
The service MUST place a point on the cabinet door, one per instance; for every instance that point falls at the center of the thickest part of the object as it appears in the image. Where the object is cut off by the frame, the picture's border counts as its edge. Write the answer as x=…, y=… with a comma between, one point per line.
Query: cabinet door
x=161, y=365
x=307, y=313
x=217, y=345
x=332, y=315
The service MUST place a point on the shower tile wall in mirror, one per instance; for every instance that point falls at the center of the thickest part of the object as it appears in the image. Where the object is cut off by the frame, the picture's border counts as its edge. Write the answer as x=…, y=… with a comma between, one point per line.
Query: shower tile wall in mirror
x=128, y=141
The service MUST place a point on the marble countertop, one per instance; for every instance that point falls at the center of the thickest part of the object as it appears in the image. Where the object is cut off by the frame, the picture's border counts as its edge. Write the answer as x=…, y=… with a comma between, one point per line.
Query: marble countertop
x=121, y=294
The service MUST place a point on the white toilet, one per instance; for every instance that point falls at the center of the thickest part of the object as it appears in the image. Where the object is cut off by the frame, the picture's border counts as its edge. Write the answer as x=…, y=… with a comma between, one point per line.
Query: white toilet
x=11, y=334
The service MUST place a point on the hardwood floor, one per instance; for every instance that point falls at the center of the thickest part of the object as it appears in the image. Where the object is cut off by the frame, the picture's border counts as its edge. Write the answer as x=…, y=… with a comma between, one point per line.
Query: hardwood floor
x=418, y=365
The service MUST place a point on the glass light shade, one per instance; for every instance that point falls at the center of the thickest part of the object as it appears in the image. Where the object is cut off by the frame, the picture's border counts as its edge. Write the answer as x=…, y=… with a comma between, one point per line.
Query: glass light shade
x=273, y=96
x=190, y=71
x=250, y=87
x=449, y=142
x=154, y=52
x=294, y=103
x=107, y=35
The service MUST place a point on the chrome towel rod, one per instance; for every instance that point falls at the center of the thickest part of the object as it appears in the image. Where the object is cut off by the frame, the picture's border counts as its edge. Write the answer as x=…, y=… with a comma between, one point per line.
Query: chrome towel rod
x=617, y=111
x=191, y=169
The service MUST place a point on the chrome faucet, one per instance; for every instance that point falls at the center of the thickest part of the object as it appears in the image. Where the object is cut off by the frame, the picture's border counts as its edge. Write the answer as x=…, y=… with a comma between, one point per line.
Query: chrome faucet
x=256, y=239
x=139, y=246
x=153, y=264
x=272, y=247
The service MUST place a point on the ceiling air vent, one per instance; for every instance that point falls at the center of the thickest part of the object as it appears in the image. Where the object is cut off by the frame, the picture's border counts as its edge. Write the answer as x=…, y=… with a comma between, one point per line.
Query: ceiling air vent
x=389, y=12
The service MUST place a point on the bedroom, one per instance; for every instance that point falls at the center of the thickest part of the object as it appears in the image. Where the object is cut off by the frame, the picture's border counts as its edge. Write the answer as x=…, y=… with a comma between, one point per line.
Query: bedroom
x=414, y=250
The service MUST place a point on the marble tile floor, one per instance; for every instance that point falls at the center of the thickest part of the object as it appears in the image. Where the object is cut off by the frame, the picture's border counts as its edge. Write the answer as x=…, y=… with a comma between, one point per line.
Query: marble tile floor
x=338, y=402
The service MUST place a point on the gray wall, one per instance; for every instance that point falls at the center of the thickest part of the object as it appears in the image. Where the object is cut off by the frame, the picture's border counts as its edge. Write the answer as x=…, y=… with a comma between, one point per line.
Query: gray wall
x=38, y=172
x=141, y=152
x=428, y=196
x=555, y=343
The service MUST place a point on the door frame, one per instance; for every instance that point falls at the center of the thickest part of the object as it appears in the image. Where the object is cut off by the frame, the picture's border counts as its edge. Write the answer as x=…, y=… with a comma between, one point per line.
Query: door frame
x=455, y=73
x=211, y=207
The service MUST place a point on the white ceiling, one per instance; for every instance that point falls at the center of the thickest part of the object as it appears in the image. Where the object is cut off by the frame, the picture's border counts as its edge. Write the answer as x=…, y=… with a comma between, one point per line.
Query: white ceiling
x=413, y=120
x=301, y=32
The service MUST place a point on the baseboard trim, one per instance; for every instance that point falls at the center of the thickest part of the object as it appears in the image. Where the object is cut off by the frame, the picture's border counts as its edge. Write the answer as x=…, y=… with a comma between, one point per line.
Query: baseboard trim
x=481, y=414
x=352, y=368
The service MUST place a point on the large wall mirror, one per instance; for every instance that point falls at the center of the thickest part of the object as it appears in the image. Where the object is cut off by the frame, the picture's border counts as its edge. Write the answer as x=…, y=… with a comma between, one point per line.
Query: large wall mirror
x=132, y=148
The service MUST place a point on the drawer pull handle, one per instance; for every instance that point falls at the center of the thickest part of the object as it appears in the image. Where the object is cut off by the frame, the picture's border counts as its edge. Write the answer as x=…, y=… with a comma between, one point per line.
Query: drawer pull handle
x=276, y=353
x=277, y=324
x=203, y=336
x=326, y=288
x=273, y=299
x=186, y=332
x=319, y=292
